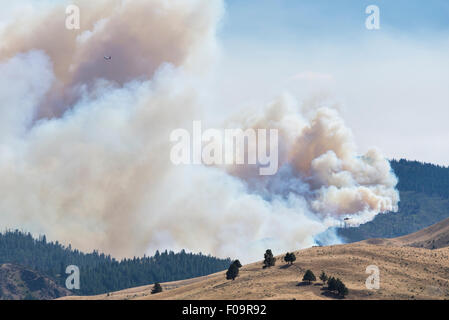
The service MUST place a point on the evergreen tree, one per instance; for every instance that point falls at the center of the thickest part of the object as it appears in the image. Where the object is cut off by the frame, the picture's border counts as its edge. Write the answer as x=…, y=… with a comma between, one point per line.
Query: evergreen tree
x=237, y=263
x=233, y=270
x=331, y=284
x=290, y=258
x=156, y=288
x=341, y=288
x=269, y=259
x=323, y=277
x=309, y=276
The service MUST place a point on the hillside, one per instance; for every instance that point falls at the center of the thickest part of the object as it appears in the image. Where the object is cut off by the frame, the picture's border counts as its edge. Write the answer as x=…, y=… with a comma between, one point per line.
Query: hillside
x=426, y=178
x=51, y=259
x=405, y=273
x=20, y=283
x=433, y=237
x=423, y=189
x=408, y=270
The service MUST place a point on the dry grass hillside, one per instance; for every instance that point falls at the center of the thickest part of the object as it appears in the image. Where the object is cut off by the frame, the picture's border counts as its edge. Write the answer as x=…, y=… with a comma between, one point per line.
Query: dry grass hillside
x=433, y=237
x=405, y=273
x=408, y=270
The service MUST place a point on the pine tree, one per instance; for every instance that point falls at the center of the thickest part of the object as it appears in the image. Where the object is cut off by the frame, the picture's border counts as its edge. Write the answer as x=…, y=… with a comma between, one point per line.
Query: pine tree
x=269, y=259
x=323, y=277
x=309, y=276
x=156, y=288
x=290, y=258
x=237, y=263
x=331, y=284
x=233, y=270
x=341, y=288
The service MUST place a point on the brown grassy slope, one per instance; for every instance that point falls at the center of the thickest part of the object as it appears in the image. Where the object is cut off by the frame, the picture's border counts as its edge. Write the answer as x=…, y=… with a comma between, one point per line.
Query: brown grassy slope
x=433, y=237
x=405, y=273
x=408, y=270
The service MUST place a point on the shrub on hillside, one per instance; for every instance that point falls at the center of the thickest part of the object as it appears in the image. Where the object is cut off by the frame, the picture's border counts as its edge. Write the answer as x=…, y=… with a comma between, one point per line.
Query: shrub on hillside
x=233, y=270
x=338, y=286
x=156, y=288
x=309, y=276
x=269, y=259
x=331, y=284
x=290, y=258
x=323, y=277
x=341, y=288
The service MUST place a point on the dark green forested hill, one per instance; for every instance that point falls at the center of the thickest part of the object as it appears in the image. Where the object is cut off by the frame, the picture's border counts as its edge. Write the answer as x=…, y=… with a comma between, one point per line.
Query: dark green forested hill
x=100, y=273
x=430, y=179
x=424, y=192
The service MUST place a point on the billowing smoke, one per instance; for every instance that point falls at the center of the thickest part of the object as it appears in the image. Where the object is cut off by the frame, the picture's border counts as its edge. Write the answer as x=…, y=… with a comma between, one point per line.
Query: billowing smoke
x=85, y=150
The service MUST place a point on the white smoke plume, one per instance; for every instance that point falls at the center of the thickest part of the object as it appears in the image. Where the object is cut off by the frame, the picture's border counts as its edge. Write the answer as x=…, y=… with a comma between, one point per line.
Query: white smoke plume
x=85, y=150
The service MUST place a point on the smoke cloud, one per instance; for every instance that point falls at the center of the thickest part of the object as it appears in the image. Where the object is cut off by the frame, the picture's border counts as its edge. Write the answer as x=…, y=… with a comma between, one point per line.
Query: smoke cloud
x=85, y=150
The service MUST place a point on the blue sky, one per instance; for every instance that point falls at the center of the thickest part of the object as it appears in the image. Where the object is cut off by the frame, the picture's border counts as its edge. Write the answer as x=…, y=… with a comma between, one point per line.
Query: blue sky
x=271, y=19
x=390, y=84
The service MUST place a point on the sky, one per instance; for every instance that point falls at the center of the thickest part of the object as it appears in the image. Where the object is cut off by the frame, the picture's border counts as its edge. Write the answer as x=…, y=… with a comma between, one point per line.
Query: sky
x=391, y=84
